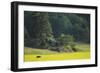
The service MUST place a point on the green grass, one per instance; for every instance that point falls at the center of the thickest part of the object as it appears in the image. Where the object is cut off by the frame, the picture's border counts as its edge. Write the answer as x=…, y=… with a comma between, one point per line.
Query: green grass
x=30, y=54
x=28, y=51
x=83, y=47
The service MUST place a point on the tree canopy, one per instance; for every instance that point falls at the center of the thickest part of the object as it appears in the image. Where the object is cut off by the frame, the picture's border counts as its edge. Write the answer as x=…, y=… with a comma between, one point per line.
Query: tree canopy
x=46, y=26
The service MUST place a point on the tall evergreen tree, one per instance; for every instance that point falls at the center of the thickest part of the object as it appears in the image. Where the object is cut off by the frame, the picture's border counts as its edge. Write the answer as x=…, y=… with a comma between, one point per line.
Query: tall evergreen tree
x=42, y=29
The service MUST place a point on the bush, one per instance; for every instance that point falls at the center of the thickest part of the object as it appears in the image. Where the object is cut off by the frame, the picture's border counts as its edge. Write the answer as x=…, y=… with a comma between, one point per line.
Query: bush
x=66, y=39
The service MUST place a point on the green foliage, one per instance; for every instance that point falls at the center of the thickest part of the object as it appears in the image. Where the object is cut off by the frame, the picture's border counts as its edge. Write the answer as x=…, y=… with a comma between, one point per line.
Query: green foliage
x=66, y=28
x=42, y=29
x=66, y=39
x=77, y=25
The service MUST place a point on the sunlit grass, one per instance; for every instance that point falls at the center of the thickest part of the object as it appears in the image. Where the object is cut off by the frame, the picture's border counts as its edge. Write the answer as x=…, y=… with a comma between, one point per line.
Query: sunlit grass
x=61, y=56
x=34, y=54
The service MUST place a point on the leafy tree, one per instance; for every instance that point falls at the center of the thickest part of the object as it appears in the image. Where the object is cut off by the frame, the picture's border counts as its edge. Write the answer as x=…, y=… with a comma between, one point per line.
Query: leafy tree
x=66, y=39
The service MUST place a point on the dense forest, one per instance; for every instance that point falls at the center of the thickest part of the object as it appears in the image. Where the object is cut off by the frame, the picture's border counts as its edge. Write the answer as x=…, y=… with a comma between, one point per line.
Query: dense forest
x=50, y=30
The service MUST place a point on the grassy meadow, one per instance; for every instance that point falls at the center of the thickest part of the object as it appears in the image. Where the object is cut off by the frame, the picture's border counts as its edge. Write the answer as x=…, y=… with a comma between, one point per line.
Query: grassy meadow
x=32, y=54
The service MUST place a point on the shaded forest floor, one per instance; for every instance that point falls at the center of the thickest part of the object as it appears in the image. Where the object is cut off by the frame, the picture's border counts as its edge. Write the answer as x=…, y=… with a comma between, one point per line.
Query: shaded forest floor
x=33, y=54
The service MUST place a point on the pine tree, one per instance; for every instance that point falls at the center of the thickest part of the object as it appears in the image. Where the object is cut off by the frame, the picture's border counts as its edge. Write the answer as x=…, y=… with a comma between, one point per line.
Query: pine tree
x=42, y=29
